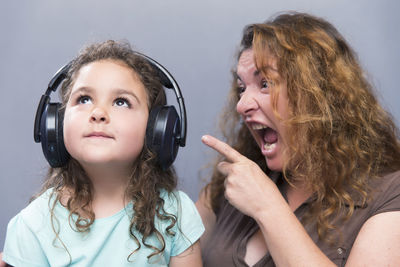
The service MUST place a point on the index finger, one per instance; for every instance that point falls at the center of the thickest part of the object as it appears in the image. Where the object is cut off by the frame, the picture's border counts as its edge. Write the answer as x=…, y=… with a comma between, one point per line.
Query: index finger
x=222, y=148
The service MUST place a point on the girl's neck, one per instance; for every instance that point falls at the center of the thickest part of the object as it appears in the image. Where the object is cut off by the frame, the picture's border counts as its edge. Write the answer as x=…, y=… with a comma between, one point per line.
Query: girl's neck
x=108, y=175
x=109, y=186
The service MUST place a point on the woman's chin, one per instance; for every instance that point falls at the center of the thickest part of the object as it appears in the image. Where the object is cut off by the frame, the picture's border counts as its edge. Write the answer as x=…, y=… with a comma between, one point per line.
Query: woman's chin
x=274, y=164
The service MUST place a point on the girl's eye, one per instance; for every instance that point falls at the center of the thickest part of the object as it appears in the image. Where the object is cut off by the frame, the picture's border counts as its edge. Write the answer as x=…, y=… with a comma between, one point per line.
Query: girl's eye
x=122, y=102
x=84, y=99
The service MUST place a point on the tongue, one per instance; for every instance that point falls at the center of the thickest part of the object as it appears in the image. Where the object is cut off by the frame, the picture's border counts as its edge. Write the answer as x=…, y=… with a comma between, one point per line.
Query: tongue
x=270, y=136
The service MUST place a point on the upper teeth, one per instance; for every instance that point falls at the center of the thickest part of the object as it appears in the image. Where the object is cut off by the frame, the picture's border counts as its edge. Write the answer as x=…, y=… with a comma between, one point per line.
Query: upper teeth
x=258, y=126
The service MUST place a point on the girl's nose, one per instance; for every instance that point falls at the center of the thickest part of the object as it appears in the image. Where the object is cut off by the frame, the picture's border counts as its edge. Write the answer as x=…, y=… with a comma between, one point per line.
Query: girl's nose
x=246, y=104
x=99, y=115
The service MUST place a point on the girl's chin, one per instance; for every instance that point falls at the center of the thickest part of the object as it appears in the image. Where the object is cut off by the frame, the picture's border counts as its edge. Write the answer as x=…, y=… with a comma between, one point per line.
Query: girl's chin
x=104, y=162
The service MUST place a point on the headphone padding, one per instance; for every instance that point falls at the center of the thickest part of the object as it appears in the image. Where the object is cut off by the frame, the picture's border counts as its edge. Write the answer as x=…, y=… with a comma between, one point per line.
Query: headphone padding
x=163, y=128
x=52, y=136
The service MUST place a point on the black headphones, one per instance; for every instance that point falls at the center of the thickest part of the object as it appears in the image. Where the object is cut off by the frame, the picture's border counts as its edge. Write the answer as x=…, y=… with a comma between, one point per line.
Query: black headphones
x=165, y=132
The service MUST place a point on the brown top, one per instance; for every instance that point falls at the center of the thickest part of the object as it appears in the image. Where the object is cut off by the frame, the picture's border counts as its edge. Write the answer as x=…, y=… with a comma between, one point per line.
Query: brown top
x=227, y=243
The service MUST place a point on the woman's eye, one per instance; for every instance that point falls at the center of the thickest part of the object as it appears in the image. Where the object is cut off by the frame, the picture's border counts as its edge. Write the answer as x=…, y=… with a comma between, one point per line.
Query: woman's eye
x=240, y=90
x=122, y=102
x=264, y=84
x=84, y=99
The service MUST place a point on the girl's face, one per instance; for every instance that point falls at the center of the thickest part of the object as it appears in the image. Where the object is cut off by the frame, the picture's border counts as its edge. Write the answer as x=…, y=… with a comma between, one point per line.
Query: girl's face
x=106, y=115
x=255, y=105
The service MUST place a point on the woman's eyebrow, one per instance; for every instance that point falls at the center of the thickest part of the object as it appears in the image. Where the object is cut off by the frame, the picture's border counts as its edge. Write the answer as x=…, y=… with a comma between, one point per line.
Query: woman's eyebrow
x=255, y=74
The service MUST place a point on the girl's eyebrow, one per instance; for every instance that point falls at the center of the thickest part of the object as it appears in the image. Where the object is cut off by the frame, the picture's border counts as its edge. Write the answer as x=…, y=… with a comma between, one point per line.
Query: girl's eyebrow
x=81, y=90
x=121, y=91
x=118, y=91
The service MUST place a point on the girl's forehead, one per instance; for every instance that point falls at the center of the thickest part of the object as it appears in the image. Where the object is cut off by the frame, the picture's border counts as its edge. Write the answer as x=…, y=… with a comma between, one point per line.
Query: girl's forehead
x=103, y=69
x=107, y=74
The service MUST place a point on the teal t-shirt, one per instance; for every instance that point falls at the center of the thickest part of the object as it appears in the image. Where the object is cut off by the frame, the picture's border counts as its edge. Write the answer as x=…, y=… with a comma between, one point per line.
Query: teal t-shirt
x=31, y=240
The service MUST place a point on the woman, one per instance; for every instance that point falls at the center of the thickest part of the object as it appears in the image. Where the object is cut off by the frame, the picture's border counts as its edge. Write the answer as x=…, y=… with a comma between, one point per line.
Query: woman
x=313, y=174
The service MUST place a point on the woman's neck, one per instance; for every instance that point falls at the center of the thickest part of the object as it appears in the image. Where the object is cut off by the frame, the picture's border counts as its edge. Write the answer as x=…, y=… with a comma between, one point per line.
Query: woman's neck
x=296, y=194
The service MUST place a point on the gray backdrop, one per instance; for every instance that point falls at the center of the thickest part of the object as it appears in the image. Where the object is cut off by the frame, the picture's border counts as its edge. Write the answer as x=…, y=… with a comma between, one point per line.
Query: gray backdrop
x=195, y=40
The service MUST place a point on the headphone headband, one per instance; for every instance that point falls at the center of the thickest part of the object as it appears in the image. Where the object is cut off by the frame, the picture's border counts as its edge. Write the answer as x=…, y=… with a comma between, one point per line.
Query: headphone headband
x=169, y=82
x=58, y=77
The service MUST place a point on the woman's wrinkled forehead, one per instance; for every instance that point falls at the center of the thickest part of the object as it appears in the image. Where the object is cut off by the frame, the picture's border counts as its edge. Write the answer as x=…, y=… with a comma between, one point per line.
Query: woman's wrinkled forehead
x=246, y=61
x=263, y=62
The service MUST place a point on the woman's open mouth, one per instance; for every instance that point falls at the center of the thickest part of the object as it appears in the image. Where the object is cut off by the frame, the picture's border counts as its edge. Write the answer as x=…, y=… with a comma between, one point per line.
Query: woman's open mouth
x=268, y=136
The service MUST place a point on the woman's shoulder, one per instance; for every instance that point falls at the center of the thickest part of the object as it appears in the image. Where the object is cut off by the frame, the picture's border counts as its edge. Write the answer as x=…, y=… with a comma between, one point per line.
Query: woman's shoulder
x=386, y=182
x=385, y=192
x=393, y=176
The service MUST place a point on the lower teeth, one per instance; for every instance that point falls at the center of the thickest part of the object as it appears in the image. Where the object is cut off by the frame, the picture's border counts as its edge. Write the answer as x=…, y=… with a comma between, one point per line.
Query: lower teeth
x=269, y=146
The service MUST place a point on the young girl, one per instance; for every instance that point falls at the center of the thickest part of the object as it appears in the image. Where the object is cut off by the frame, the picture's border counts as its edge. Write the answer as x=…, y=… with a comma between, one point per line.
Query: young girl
x=111, y=204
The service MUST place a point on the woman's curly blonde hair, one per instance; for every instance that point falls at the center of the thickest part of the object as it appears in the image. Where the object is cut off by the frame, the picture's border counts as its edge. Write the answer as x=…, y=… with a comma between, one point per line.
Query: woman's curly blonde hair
x=338, y=135
x=147, y=178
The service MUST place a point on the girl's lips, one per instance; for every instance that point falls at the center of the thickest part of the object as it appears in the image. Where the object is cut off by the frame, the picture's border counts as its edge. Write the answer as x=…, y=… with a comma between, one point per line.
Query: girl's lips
x=99, y=135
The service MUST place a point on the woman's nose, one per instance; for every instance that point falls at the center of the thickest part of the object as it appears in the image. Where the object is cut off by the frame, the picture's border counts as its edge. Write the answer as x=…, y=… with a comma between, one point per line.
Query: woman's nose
x=246, y=104
x=99, y=114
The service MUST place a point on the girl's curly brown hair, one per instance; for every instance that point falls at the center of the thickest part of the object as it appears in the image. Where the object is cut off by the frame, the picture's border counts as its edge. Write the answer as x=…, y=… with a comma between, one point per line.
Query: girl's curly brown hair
x=147, y=179
x=339, y=136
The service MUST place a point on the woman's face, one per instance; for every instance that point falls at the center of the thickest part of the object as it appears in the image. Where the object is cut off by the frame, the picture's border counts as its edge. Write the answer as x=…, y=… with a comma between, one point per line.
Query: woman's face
x=255, y=106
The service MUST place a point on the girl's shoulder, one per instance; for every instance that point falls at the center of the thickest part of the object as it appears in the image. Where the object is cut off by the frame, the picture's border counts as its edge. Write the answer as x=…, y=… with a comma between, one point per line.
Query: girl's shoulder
x=188, y=227
x=36, y=213
x=40, y=202
x=176, y=200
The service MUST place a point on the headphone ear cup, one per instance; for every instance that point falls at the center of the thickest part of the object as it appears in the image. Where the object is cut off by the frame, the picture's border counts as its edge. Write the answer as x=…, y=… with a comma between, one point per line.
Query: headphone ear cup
x=52, y=135
x=163, y=127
